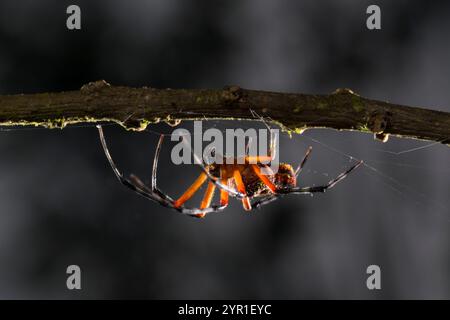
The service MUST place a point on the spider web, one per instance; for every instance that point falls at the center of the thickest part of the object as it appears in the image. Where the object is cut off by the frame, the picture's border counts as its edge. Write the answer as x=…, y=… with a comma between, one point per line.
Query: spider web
x=405, y=190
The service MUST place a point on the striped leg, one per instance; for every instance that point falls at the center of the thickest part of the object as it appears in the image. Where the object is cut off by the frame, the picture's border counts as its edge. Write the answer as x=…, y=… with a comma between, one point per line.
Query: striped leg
x=154, y=193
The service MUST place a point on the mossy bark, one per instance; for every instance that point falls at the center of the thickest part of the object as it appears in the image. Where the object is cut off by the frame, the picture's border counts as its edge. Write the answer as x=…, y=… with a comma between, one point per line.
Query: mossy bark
x=135, y=108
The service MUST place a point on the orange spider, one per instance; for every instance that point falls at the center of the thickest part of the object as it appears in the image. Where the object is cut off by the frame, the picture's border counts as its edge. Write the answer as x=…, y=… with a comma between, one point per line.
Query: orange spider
x=243, y=181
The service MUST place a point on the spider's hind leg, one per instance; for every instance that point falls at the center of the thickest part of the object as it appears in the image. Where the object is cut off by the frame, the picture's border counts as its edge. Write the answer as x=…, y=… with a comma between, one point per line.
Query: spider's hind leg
x=134, y=183
x=154, y=186
x=153, y=192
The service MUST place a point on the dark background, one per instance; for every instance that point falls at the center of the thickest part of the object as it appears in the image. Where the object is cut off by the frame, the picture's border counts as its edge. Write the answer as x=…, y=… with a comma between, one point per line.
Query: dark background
x=60, y=203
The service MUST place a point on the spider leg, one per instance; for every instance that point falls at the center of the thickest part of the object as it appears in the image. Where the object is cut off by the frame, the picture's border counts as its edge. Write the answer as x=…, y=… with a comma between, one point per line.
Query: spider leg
x=224, y=194
x=271, y=153
x=273, y=144
x=191, y=190
x=264, y=178
x=154, y=188
x=178, y=204
x=264, y=200
x=213, y=179
x=304, y=190
x=155, y=162
x=258, y=159
x=302, y=164
x=315, y=189
x=207, y=198
x=209, y=194
x=153, y=193
x=139, y=189
x=205, y=206
x=273, y=141
x=138, y=182
x=241, y=188
x=247, y=146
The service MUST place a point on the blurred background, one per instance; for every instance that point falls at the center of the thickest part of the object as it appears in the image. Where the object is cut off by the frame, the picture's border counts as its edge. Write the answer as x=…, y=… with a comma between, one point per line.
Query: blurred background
x=62, y=205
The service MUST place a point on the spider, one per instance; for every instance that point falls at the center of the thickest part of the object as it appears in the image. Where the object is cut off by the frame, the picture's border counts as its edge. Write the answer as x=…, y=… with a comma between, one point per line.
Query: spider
x=242, y=181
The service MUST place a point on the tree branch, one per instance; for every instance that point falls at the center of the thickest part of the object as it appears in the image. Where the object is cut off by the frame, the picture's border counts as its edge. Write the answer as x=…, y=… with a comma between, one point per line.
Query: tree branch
x=135, y=108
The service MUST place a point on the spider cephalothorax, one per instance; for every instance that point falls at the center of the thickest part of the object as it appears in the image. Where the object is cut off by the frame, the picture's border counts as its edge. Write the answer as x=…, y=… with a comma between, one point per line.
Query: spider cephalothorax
x=247, y=181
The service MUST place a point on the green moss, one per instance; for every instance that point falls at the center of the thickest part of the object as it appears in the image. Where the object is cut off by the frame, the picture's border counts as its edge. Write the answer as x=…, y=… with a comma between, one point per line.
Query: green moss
x=322, y=105
x=61, y=123
x=364, y=128
x=172, y=121
x=300, y=130
x=141, y=125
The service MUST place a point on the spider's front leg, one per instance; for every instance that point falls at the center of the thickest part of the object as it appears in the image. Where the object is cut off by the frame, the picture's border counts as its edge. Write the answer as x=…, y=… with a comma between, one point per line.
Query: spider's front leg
x=264, y=200
x=319, y=189
x=279, y=192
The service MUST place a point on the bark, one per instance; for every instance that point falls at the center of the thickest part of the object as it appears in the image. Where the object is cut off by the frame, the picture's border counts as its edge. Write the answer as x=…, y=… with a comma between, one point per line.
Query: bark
x=135, y=108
